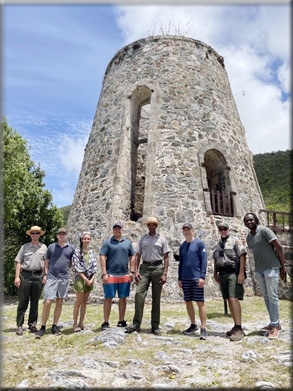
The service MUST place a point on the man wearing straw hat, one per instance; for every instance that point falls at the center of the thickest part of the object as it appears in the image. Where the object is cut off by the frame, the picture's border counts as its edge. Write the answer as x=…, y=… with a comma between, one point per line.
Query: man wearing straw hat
x=29, y=273
x=153, y=249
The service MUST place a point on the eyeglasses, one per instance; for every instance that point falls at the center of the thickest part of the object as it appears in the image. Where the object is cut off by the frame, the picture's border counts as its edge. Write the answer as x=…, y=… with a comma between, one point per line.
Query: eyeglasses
x=35, y=233
x=223, y=229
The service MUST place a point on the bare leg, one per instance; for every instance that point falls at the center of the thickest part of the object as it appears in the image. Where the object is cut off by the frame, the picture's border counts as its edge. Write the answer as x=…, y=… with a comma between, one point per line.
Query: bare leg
x=202, y=313
x=46, y=311
x=122, y=307
x=83, y=307
x=58, y=309
x=77, y=304
x=190, y=311
x=235, y=309
x=107, y=309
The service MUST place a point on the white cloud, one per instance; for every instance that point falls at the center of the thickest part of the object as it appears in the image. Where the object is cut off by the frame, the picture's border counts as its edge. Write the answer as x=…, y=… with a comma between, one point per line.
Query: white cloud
x=284, y=77
x=254, y=41
x=71, y=153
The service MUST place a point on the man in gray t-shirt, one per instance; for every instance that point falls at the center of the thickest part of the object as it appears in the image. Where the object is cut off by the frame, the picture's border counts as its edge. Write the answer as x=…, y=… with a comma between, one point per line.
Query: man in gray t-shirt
x=269, y=265
x=57, y=264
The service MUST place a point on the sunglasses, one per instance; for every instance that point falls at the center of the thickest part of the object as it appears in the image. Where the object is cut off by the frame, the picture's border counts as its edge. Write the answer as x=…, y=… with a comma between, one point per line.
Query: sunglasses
x=223, y=229
x=35, y=233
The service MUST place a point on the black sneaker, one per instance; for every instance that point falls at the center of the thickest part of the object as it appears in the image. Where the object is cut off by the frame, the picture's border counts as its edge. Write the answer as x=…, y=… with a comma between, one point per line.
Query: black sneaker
x=203, y=334
x=105, y=326
x=55, y=330
x=40, y=333
x=191, y=330
x=122, y=323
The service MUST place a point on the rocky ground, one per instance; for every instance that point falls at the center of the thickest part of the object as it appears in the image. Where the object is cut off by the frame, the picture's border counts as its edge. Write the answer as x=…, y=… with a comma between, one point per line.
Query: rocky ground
x=112, y=359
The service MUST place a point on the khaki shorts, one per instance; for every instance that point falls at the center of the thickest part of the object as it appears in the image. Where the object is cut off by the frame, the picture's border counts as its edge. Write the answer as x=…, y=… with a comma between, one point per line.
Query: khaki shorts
x=230, y=287
x=56, y=288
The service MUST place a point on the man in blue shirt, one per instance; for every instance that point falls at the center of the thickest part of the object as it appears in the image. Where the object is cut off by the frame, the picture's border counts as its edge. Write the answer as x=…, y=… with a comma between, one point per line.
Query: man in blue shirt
x=191, y=278
x=115, y=255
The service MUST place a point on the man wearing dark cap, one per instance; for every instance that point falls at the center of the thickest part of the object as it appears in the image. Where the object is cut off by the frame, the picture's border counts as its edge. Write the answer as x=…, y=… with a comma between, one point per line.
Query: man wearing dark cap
x=29, y=274
x=115, y=255
x=57, y=264
x=229, y=270
x=191, y=278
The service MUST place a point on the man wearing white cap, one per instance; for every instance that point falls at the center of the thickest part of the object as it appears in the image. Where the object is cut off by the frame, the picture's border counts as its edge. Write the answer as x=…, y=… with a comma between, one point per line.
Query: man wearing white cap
x=29, y=278
x=154, y=251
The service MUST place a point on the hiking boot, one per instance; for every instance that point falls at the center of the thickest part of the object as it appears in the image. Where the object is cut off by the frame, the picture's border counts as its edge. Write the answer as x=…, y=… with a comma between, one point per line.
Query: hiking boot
x=131, y=329
x=33, y=329
x=40, y=333
x=191, y=330
x=203, y=334
x=237, y=334
x=19, y=330
x=230, y=332
x=122, y=323
x=156, y=332
x=105, y=326
x=268, y=328
x=273, y=333
x=55, y=330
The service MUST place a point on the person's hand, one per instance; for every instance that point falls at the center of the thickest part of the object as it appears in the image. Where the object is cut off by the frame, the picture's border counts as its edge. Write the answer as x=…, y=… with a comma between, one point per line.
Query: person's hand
x=283, y=273
x=216, y=277
x=240, y=278
x=163, y=279
x=105, y=279
x=180, y=284
x=137, y=277
x=200, y=282
x=130, y=277
x=17, y=282
x=44, y=279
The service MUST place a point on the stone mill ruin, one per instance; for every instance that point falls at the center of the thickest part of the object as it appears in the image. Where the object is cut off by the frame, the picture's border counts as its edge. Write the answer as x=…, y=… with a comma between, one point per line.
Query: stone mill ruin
x=166, y=141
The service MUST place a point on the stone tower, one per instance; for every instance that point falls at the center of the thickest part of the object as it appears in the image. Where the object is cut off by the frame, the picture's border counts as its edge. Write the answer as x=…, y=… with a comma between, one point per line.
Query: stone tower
x=166, y=141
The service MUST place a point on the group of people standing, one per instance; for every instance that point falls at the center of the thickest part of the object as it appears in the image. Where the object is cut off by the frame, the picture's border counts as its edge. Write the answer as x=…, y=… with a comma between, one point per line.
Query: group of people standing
x=40, y=267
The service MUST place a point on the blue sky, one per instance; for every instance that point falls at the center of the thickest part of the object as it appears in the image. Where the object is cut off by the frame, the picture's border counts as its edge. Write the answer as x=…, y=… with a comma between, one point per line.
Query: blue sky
x=55, y=57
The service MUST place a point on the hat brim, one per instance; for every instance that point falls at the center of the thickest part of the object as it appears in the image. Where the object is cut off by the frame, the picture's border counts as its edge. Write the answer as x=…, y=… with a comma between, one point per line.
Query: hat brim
x=28, y=232
x=152, y=222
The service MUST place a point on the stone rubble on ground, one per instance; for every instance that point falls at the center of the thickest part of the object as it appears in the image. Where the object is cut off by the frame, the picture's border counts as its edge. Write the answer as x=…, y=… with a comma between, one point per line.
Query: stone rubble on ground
x=218, y=351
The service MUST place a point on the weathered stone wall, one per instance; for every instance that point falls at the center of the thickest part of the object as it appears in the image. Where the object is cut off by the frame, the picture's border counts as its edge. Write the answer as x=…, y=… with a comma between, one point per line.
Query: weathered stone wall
x=192, y=118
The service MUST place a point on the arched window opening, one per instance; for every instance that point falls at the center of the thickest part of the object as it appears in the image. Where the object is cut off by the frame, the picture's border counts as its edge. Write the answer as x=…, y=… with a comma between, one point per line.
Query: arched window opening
x=219, y=184
x=140, y=118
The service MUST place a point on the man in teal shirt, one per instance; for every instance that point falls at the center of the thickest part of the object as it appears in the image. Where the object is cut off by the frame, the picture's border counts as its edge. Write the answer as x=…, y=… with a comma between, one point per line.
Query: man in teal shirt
x=269, y=264
x=115, y=256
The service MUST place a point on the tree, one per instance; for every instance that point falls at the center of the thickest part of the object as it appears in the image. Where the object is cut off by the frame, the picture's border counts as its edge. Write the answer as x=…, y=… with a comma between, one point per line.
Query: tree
x=26, y=203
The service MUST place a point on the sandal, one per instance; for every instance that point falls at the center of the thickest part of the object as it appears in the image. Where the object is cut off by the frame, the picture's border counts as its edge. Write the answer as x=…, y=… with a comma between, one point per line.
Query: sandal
x=81, y=326
x=76, y=329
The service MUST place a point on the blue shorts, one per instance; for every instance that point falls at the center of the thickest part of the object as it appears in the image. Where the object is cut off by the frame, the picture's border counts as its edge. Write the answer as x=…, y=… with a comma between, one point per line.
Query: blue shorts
x=191, y=290
x=115, y=284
